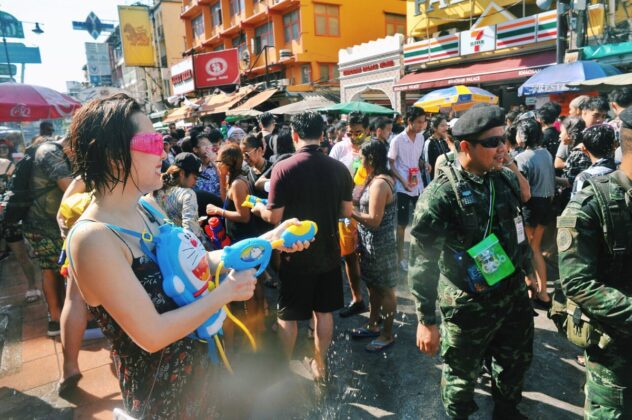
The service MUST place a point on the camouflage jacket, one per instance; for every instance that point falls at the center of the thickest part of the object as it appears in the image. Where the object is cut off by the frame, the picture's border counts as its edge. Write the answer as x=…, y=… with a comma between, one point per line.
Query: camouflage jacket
x=589, y=273
x=438, y=233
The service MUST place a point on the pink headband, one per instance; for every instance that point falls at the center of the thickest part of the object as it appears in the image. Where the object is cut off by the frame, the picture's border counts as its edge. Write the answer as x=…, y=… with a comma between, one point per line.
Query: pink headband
x=150, y=143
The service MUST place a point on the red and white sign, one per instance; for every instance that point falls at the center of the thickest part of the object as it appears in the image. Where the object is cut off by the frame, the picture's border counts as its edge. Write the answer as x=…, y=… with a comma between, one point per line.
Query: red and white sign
x=368, y=67
x=478, y=40
x=182, y=77
x=216, y=68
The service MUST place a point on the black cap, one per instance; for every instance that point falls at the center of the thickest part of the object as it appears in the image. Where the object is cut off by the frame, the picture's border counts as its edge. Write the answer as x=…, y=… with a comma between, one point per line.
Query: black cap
x=477, y=120
x=189, y=163
x=626, y=118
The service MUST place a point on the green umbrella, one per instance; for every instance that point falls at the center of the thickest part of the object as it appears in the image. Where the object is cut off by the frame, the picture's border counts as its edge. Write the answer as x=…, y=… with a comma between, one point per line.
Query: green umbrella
x=358, y=106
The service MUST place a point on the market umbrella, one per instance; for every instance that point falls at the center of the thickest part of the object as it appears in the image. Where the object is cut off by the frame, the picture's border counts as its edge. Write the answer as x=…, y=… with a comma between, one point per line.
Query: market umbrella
x=310, y=103
x=555, y=78
x=358, y=106
x=610, y=81
x=457, y=98
x=20, y=102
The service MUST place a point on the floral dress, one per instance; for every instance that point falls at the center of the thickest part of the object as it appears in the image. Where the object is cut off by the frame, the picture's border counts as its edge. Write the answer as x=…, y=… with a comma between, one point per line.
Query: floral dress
x=173, y=383
x=378, y=250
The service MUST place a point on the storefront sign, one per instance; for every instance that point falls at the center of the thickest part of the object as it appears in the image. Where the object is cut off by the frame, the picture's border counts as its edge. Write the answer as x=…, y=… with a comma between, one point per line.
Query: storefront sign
x=136, y=39
x=547, y=26
x=478, y=40
x=216, y=68
x=182, y=77
x=431, y=49
x=368, y=68
x=516, y=32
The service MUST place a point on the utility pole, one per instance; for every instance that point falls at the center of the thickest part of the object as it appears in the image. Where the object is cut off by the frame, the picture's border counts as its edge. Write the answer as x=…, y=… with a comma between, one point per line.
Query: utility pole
x=562, y=30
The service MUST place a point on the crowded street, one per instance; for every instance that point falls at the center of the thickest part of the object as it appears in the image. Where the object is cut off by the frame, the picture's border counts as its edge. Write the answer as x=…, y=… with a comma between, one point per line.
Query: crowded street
x=236, y=209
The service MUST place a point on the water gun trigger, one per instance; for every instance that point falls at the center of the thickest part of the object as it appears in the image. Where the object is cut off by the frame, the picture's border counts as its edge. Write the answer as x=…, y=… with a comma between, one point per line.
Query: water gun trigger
x=305, y=231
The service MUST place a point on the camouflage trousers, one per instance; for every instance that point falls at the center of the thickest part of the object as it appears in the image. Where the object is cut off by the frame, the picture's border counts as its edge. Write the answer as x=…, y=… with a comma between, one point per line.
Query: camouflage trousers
x=608, y=384
x=499, y=326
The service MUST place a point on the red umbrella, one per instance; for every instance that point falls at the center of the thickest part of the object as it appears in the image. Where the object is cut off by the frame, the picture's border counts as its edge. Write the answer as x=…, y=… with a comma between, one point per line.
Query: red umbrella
x=20, y=102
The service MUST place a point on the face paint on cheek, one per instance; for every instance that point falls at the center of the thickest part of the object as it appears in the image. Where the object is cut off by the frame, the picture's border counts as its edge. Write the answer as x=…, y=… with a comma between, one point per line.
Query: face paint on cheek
x=150, y=143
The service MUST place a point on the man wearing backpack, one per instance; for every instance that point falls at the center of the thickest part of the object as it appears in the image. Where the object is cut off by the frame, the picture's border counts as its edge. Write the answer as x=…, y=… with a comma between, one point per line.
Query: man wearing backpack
x=267, y=124
x=469, y=251
x=594, y=241
x=50, y=176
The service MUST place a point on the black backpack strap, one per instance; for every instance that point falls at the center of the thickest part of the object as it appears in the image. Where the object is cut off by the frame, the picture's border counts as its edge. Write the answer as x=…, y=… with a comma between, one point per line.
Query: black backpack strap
x=469, y=221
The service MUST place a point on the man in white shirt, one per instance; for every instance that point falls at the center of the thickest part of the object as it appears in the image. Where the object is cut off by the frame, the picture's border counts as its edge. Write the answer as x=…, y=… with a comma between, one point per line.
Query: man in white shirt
x=403, y=155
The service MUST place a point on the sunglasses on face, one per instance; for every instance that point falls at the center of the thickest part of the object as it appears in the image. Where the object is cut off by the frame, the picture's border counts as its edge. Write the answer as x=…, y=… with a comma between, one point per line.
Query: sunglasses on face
x=150, y=143
x=490, y=142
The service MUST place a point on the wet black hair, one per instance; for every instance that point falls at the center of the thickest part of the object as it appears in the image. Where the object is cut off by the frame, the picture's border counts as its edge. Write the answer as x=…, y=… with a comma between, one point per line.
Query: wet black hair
x=599, y=140
x=253, y=141
x=548, y=113
x=357, y=118
x=308, y=125
x=621, y=96
x=265, y=119
x=215, y=136
x=414, y=112
x=574, y=127
x=510, y=135
x=436, y=119
x=597, y=103
x=100, y=133
x=531, y=131
x=382, y=122
x=375, y=155
x=283, y=143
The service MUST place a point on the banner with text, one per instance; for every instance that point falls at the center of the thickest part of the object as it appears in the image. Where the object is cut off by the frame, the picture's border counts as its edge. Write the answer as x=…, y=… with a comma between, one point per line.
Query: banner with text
x=136, y=38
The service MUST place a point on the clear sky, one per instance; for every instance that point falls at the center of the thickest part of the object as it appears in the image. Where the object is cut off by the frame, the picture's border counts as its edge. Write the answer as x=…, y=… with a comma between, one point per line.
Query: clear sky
x=61, y=47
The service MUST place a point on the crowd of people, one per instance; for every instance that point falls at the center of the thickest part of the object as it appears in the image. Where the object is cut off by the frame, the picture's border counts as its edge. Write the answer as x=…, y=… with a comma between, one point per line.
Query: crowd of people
x=484, y=175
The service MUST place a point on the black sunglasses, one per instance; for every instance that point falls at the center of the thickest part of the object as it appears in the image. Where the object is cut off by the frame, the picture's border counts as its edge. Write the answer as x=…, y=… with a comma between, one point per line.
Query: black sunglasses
x=490, y=142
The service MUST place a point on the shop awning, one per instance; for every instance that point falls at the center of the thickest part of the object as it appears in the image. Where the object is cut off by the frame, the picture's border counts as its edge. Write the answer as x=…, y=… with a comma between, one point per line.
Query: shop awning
x=508, y=68
x=178, y=114
x=618, y=80
x=222, y=102
x=253, y=102
x=310, y=103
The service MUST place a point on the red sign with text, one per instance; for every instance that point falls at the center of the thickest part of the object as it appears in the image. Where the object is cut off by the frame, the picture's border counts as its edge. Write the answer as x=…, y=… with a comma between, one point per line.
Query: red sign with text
x=216, y=68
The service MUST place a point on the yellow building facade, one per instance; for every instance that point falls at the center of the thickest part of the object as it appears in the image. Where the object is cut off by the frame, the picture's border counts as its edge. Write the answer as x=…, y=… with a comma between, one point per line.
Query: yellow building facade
x=296, y=41
x=170, y=37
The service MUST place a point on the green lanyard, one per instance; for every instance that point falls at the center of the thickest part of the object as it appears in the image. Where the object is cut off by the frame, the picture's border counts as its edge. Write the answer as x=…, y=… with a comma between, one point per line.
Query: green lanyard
x=492, y=202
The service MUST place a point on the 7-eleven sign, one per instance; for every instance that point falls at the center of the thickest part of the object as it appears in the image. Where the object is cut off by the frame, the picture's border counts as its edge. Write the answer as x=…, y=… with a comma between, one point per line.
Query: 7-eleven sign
x=478, y=40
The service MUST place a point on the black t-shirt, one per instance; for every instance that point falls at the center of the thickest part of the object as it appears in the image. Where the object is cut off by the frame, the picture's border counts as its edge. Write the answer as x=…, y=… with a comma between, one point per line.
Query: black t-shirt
x=312, y=186
x=269, y=146
x=551, y=140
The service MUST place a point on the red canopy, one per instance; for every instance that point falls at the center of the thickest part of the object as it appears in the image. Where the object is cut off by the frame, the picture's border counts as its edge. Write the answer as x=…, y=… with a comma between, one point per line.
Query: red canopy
x=20, y=102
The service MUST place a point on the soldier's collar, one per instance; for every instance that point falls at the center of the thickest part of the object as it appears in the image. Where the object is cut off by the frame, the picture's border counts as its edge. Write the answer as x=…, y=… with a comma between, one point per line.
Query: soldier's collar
x=473, y=177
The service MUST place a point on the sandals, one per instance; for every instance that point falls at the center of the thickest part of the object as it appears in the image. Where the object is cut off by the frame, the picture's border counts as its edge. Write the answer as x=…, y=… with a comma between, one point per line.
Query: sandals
x=319, y=379
x=364, y=332
x=68, y=384
x=32, y=295
x=377, y=346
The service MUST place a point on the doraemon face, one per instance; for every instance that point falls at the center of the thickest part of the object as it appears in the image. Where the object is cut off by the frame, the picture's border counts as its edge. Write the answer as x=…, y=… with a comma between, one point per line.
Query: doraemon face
x=194, y=262
x=251, y=253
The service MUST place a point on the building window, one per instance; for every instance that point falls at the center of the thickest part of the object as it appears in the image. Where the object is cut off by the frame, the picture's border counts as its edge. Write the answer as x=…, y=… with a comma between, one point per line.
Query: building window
x=291, y=26
x=263, y=37
x=197, y=27
x=237, y=6
x=306, y=73
x=239, y=42
x=327, y=19
x=395, y=24
x=216, y=14
x=328, y=72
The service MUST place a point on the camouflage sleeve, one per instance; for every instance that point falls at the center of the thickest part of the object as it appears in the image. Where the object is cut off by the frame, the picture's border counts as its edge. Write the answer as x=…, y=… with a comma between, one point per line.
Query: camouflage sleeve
x=429, y=230
x=579, y=247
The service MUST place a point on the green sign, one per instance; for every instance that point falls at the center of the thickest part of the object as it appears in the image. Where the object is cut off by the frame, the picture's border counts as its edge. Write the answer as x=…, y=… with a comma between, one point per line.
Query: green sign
x=8, y=71
x=10, y=27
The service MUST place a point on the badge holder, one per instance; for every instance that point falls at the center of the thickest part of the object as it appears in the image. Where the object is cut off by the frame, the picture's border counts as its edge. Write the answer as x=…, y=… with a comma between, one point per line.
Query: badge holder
x=488, y=255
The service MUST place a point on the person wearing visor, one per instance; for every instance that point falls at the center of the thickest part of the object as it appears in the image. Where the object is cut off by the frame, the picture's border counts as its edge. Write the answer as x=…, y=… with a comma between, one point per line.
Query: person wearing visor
x=469, y=251
x=177, y=198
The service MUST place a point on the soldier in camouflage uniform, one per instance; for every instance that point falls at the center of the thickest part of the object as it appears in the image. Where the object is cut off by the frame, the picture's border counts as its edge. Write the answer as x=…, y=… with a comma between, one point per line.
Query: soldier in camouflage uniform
x=478, y=320
x=595, y=267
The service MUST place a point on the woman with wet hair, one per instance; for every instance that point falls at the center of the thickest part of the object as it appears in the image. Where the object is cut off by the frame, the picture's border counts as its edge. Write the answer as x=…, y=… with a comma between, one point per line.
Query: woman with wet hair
x=162, y=372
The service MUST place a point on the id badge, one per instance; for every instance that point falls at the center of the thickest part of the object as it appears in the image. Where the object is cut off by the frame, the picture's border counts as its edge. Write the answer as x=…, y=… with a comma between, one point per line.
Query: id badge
x=520, y=229
x=492, y=260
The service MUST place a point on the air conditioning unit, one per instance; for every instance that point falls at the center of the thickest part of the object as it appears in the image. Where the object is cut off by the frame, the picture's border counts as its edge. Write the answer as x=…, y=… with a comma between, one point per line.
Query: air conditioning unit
x=285, y=54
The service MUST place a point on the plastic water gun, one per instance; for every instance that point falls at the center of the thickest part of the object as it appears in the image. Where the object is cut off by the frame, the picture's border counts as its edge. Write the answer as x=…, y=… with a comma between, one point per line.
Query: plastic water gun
x=215, y=230
x=251, y=201
x=256, y=252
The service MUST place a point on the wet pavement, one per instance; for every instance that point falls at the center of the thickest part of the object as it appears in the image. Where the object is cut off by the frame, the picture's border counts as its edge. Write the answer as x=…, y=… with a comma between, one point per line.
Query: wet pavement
x=398, y=383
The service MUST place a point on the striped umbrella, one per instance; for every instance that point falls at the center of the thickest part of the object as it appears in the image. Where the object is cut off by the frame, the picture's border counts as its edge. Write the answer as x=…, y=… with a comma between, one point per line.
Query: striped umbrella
x=456, y=98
